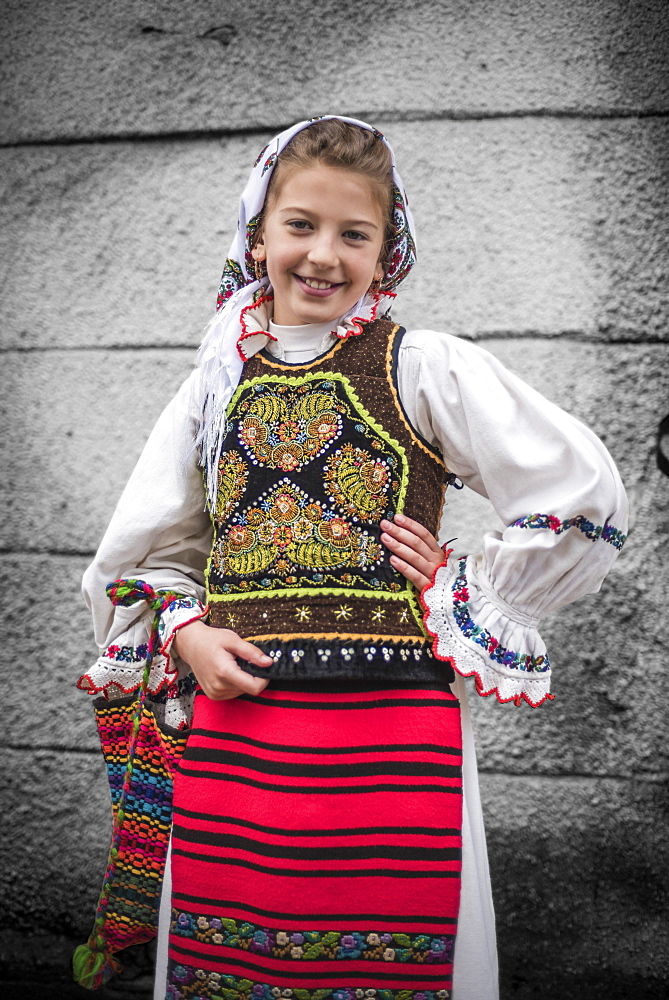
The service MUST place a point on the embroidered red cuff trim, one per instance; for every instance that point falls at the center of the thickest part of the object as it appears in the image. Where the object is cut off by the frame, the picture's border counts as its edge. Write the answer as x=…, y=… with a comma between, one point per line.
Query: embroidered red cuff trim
x=517, y=699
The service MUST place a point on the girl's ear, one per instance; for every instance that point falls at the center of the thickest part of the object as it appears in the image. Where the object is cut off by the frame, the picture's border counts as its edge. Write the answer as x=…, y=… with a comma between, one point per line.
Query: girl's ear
x=258, y=253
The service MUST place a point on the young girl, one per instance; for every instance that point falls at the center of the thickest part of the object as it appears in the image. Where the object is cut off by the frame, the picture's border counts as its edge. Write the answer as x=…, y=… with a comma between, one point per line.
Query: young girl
x=327, y=839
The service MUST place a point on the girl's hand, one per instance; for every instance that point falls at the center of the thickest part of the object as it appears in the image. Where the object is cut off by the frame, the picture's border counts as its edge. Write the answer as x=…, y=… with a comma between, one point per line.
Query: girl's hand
x=210, y=653
x=416, y=553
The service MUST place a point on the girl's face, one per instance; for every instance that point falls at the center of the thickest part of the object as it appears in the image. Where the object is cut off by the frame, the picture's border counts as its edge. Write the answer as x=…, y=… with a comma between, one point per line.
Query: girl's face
x=322, y=237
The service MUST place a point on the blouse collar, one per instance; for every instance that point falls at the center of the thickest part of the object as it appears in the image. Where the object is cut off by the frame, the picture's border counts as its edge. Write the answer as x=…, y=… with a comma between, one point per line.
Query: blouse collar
x=257, y=325
x=294, y=342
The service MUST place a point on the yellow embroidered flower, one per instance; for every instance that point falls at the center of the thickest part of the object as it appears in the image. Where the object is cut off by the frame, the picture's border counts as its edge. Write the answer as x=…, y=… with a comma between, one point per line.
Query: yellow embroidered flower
x=240, y=538
x=288, y=430
x=285, y=508
x=336, y=531
x=313, y=512
x=302, y=529
x=265, y=533
x=288, y=456
x=253, y=432
x=324, y=427
x=255, y=516
x=282, y=536
x=375, y=475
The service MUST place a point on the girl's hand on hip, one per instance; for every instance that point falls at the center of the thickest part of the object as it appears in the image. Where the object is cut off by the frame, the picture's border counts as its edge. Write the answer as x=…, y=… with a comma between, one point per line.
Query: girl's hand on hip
x=415, y=552
x=211, y=654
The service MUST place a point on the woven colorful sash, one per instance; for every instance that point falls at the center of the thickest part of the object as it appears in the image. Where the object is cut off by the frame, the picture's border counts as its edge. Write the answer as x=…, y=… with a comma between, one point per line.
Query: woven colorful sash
x=140, y=760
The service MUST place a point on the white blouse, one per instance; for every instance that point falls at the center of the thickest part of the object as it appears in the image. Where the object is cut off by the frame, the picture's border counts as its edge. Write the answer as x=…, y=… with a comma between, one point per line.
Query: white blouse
x=548, y=477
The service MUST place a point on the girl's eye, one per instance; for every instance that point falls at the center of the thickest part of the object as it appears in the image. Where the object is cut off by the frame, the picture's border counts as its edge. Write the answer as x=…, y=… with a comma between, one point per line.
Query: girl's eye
x=299, y=224
x=352, y=234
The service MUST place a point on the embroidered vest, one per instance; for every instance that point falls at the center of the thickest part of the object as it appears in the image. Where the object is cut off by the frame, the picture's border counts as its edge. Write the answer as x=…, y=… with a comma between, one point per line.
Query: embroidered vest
x=316, y=455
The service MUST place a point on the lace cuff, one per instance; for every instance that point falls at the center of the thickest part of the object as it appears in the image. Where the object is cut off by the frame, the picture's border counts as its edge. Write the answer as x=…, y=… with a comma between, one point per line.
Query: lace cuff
x=118, y=670
x=482, y=636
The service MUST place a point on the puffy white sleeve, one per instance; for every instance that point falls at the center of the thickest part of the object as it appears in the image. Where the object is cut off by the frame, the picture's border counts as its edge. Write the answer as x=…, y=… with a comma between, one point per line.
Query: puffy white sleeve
x=552, y=483
x=159, y=533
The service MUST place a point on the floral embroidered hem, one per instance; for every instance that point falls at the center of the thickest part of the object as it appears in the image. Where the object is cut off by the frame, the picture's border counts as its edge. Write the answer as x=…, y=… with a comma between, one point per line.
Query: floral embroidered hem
x=506, y=657
x=607, y=532
x=118, y=670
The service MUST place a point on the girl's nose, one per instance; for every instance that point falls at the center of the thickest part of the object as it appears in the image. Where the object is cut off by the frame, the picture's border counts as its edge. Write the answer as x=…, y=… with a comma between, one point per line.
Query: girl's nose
x=323, y=253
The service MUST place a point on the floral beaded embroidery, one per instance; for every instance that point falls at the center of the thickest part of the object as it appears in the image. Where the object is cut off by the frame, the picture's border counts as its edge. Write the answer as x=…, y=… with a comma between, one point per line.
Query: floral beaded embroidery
x=285, y=428
x=428, y=949
x=285, y=530
x=126, y=654
x=607, y=532
x=233, y=474
x=197, y=984
x=290, y=538
x=482, y=637
x=360, y=482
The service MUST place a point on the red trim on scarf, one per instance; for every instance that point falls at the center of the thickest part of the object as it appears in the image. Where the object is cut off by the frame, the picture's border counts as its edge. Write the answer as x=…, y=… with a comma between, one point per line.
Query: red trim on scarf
x=517, y=699
x=246, y=333
x=355, y=331
x=358, y=322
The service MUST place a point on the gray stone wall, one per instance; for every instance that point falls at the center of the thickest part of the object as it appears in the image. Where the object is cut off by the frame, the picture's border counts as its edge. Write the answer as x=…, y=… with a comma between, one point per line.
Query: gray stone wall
x=533, y=137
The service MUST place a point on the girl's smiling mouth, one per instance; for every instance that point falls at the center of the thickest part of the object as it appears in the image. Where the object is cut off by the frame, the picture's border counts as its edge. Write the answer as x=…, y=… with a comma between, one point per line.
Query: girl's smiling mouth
x=317, y=286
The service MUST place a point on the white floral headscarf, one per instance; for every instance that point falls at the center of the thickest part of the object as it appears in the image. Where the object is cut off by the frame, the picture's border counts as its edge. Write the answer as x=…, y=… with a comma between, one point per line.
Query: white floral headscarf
x=226, y=344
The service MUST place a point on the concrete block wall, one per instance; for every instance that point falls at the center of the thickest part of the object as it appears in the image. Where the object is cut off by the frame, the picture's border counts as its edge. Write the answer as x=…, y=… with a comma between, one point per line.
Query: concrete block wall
x=534, y=141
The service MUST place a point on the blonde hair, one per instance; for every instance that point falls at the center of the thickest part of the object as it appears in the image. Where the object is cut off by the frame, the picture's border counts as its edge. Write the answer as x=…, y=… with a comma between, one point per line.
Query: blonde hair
x=340, y=144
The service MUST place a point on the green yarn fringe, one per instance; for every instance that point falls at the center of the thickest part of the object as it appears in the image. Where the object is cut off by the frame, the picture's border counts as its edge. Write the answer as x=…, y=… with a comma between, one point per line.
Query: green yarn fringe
x=92, y=967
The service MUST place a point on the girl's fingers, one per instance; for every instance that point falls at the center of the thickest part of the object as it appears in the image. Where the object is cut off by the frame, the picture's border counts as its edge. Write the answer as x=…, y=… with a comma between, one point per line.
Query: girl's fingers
x=243, y=682
x=413, y=575
x=401, y=521
x=229, y=681
x=412, y=547
x=415, y=552
x=401, y=536
x=212, y=657
x=247, y=651
x=408, y=534
x=418, y=559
